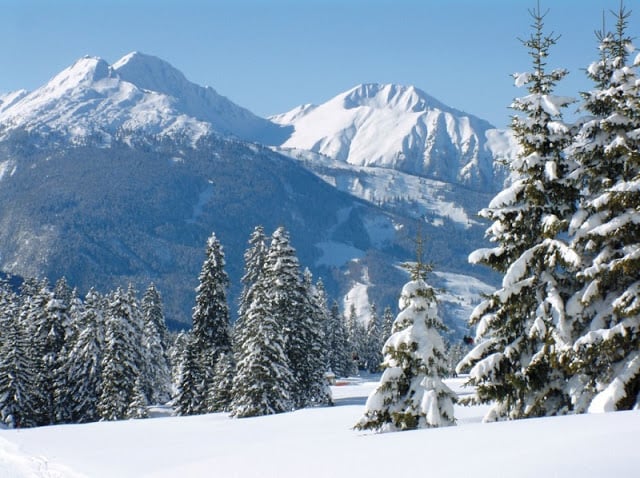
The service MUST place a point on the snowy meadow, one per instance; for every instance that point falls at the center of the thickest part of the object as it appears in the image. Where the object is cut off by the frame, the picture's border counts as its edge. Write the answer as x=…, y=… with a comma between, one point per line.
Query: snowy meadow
x=320, y=442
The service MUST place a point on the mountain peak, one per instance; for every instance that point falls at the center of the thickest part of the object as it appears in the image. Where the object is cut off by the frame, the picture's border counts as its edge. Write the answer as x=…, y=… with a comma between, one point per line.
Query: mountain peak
x=151, y=73
x=390, y=96
x=85, y=71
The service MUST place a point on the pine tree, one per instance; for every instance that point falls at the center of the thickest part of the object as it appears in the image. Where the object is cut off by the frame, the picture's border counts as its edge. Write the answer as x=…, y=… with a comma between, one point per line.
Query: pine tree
x=254, y=258
x=356, y=335
x=84, y=361
x=387, y=323
x=262, y=384
x=44, y=338
x=287, y=303
x=121, y=360
x=210, y=335
x=189, y=380
x=606, y=231
x=63, y=300
x=15, y=369
x=374, y=341
x=309, y=329
x=522, y=328
x=221, y=392
x=411, y=393
x=340, y=357
x=157, y=383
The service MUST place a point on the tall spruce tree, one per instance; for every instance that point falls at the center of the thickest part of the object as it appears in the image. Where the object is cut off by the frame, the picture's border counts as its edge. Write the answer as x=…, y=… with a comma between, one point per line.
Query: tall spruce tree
x=121, y=360
x=606, y=230
x=16, y=375
x=210, y=334
x=374, y=341
x=44, y=342
x=84, y=360
x=340, y=358
x=287, y=303
x=157, y=383
x=254, y=258
x=263, y=381
x=411, y=393
x=309, y=329
x=522, y=327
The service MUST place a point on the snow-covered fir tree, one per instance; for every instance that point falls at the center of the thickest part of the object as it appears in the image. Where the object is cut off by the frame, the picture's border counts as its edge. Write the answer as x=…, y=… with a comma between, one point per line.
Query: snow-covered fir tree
x=121, y=356
x=522, y=327
x=188, y=381
x=84, y=360
x=356, y=336
x=387, y=323
x=606, y=230
x=411, y=393
x=16, y=375
x=211, y=332
x=309, y=330
x=287, y=302
x=340, y=360
x=44, y=342
x=263, y=381
x=373, y=341
x=220, y=393
x=157, y=383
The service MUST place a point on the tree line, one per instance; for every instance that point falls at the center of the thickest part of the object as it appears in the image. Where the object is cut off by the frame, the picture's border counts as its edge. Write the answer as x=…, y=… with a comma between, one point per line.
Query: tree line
x=66, y=359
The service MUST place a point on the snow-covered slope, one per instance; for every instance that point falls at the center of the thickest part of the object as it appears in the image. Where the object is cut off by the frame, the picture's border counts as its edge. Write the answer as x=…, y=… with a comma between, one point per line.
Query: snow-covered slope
x=319, y=442
x=138, y=95
x=401, y=128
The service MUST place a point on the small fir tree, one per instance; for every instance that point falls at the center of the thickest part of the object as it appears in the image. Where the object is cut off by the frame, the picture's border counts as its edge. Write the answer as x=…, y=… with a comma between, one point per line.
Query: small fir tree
x=411, y=393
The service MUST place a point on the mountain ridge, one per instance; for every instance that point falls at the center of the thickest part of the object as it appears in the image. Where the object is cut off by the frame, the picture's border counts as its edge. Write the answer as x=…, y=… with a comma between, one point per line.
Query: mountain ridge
x=132, y=165
x=422, y=136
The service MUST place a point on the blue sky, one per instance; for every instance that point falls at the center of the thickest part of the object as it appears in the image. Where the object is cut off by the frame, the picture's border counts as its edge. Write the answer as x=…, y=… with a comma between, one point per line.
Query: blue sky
x=272, y=55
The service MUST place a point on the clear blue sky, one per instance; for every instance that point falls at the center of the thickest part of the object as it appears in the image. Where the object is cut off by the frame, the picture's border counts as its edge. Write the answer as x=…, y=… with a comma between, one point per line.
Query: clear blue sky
x=272, y=55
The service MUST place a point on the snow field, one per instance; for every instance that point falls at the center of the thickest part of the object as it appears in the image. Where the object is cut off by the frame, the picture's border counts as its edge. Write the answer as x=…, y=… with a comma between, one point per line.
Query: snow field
x=320, y=442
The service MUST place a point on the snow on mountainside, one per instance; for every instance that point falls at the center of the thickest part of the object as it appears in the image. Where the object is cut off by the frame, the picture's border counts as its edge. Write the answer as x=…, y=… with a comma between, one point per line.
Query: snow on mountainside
x=139, y=94
x=401, y=128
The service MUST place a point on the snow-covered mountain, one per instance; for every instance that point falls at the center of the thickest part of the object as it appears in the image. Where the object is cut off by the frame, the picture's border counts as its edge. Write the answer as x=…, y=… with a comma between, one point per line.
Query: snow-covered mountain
x=138, y=95
x=118, y=173
x=400, y=128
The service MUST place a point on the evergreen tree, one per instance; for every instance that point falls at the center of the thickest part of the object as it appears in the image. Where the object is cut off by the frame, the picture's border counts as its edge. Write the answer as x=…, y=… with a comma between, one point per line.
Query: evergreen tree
x=220, y=394
x=59, y=308
x=189, y=380
x=308, y=329
x=262, y=384
x=84, y=361
x=210, y=335
x=387, y=323
x=411, y=393
x=606, y=231
x=15, y=369
x=356, y=335
x=121, y=357
x=374, y=341
x=522, y=327
x=340, y=358
x=288, y=304
x=44, y=340
x=157, y=383
x=254, y=258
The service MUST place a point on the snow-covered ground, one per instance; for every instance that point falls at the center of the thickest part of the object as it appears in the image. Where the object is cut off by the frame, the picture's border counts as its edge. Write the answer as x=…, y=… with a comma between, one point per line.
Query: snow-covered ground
x=320, y=443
